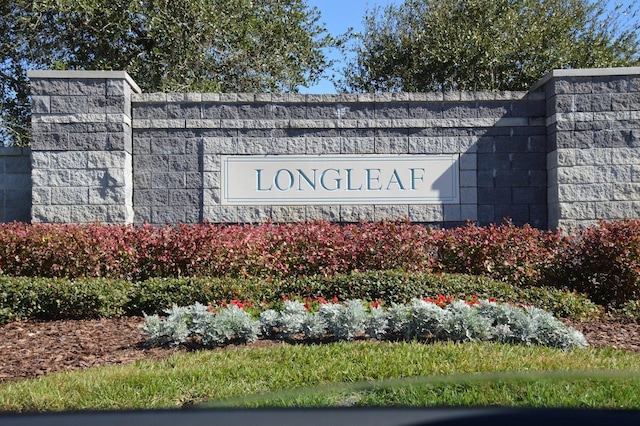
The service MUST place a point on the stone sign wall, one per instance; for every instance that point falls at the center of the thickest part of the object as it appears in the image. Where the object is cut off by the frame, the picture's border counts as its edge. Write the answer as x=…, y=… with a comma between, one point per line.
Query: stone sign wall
x=564, y=154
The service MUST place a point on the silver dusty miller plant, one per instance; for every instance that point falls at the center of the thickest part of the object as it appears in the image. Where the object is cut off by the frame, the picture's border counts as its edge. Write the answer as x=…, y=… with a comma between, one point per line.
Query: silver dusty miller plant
x=418, y=320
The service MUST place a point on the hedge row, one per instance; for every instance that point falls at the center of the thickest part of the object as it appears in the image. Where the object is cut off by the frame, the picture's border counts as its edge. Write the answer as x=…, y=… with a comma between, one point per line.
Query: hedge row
x=57, y=298
x=603, y=261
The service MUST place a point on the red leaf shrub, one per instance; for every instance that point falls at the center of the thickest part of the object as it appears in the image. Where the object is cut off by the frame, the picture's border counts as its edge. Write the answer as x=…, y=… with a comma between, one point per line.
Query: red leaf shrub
x=603, y=261
x=269, y=250
x=506, y=252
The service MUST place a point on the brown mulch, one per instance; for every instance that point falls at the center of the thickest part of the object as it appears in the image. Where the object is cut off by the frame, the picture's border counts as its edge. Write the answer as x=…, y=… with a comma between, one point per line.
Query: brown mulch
x=32, y=348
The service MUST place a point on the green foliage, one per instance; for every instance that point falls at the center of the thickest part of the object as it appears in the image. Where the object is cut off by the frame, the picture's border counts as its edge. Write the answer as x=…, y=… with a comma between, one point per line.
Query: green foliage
x=55, y=298
x=166, y=45
x=48, y=299
x=442, y=45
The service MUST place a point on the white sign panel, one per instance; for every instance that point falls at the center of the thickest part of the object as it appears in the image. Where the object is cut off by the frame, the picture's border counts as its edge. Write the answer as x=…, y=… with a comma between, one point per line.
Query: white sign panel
x=339, y=179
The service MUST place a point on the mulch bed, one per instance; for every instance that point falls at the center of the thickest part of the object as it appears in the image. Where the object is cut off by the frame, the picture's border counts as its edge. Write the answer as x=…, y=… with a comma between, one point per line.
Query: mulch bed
x=32, y=348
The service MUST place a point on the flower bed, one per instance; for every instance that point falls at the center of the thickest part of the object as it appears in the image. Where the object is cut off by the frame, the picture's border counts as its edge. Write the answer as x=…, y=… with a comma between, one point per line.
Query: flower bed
x=424, y=320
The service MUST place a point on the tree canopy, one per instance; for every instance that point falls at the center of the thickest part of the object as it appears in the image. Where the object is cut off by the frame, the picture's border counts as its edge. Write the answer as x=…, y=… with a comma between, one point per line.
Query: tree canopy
x=440, y=45
x=166, y=45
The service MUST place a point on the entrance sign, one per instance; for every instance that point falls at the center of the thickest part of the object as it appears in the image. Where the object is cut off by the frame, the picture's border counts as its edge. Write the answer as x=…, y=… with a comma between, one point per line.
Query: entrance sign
x=340, y=179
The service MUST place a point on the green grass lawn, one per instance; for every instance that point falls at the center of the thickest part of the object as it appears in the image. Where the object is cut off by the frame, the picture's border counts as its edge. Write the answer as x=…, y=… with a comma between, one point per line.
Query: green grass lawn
x=356, y=373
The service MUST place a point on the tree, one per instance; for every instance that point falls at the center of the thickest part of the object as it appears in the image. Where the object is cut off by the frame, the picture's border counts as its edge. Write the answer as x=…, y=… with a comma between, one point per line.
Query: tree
x=440, y=45
x=166, y=45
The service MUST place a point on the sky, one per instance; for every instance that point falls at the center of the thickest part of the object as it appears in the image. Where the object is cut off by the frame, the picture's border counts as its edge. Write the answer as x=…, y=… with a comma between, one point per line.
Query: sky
x=338, y=16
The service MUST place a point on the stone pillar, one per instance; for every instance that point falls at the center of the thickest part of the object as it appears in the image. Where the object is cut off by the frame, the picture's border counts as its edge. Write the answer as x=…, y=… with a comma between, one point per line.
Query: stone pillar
x=81, y=146
x=593, y=145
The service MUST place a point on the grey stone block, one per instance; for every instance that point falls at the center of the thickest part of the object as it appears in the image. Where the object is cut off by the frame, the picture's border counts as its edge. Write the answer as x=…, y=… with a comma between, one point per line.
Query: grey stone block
x=193, y=180
x=41, y=195
x=261, y=145
x=17, y=165
x=391, y=145
x=162, y=215
x=167, y=180
x=107, y=159
x=486, y=178
x=486, y=214
x=69, y=196
x=468, y=178
x=585, y=192
x=626, y=191
x=40, y=104
x=469, y=195
x=511, y=178
x=141, y=180
x=494, y=161
x=518, y=213
x=51, y=214
x=221, y=214
x=452, y=212
x=94, y=87
x=142, y=215
x=183, y=163
x=149, y=111
x=182, y=198
x=578, y=210
x=69, y=104
x=323, y=145
x=52, y=86
x=211, y=163
x=49, y=141
x=617, y=210
x=253, y=214
x=108, y=195
x=391, y=212
x=288, y=213
x=220, y=145
x=296, y=146
x=468, y=161
x=168, y=146
x=494, y=195
x=16, y=182
x=330, y=213
x=50, y=178
x=529, y=195
x=356, y=213
x=184, y=110
x=153, y=197
x=425, y=145
x=210, y=196
x=426, y=213
x=211, y=180
x=357, y=145
x=391, y=110
x=469, y=212
x=609, y=84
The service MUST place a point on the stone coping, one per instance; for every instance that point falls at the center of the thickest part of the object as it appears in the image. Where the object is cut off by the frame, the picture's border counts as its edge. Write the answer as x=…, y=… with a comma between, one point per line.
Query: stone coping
x=83, y=74
x=585, y=72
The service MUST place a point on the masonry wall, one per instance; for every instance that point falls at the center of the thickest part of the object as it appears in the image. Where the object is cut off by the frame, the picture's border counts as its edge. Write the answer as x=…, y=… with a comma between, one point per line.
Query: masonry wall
x=178, y=141
x=15, y=184
x=564, y=154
